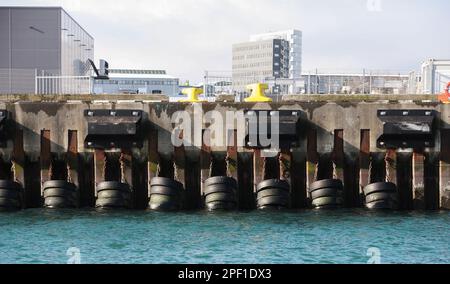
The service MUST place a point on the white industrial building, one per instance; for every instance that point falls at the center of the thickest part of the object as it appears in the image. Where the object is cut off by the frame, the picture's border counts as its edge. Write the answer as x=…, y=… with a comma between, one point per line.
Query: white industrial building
x=128, y=81
x=294, y=37
x=435, y=76
x=260, y=61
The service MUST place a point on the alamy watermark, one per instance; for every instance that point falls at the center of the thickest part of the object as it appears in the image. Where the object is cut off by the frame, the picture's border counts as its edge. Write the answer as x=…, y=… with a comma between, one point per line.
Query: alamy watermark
x=74, y=255
x=374, y=255
x=217, y=129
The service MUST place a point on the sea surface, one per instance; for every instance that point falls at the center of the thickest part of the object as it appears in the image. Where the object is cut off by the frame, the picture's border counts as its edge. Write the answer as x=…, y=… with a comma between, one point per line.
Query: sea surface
x=40, y=236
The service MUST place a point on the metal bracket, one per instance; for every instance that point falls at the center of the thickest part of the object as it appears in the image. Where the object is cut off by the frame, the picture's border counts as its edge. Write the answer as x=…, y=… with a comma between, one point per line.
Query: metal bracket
x=289, y=121
x=405, y=129
x=113, y=129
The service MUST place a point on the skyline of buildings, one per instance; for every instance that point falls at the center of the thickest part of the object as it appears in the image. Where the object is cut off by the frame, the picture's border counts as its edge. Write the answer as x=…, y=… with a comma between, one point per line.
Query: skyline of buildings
x=41, y=42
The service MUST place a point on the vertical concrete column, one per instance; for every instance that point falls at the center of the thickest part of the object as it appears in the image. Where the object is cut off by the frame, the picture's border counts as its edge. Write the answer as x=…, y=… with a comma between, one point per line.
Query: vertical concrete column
x=364, y=161
x=232, y=156
x=339, y=165
x=405, y=179
x=205, y=160
x=46, y=158
x=444, y=175
x=285, y=162
x=126, y=172
x=179, y=160
x=259, y=168
x=153, y=158
x=298, y=176
x=18, y=163
x=418, y=180
x=126, y=167
x=73, y=174
x=391, y=166
x=73, y=159
x=246, y=196
x=312, y=159
x=99, y=167
x=432, y=181
x=233, y=169
x=338, y=155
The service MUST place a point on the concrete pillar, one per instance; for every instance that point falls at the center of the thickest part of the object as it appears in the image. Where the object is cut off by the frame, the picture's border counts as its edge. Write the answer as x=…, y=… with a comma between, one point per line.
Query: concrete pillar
x=258, y=169
x=298, y=176
x=126, y=171
x=338, y=155
x=45, y=158
x=73, y=170
x=126, y=167
x=153, y=157
x=205, y=161
x=391, y=166
x=18, y=164
x=180, y=165
x=312, y=159
x=285, y=162
x=99, y=167
x=73, y=159
x=405, y=179
x=364, y=160
x=418, y=180
x=444, y=174
x=179, y=159
x=232, y=156
x=432, y=180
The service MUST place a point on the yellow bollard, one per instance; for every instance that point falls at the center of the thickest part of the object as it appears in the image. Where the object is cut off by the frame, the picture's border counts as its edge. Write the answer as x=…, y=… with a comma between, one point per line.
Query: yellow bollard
x=192, y=94
x=258, y=94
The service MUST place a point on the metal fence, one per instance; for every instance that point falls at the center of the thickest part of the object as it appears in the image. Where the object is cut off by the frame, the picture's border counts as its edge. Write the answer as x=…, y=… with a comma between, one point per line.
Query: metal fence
x=316, y=82
x=218, y=82
x=354, y=82
x=30, y=81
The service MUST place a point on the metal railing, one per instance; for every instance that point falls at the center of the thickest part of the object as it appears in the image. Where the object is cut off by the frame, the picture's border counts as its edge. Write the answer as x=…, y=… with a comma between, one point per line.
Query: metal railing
x=354, y=82
x=321, y=81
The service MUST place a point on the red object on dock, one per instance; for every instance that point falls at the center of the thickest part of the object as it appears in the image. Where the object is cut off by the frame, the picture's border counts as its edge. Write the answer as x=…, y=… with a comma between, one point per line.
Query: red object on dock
x=445, y=97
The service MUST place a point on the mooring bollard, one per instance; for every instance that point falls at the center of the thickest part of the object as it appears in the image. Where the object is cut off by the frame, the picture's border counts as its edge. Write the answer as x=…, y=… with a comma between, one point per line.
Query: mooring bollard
x=193, y=94
x=258, y=94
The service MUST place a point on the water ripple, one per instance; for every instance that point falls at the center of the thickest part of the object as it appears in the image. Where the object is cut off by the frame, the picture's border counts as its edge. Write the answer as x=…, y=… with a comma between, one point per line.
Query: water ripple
x=44, y=236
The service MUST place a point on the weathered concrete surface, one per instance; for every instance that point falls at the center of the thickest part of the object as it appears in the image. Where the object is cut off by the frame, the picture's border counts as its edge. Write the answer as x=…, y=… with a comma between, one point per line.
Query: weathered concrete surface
x=349, y=116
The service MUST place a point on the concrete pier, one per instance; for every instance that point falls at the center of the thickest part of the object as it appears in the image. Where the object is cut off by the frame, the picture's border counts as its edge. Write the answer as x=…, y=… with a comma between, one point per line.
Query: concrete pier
x=45, y=140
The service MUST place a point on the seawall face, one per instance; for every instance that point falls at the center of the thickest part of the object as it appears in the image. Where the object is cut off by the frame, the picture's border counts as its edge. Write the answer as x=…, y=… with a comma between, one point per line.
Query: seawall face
x=46, y=139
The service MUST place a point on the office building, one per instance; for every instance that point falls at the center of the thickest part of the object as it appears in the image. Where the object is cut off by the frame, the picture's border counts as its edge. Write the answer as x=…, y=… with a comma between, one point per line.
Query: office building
x=294, y=37
x=262, y=61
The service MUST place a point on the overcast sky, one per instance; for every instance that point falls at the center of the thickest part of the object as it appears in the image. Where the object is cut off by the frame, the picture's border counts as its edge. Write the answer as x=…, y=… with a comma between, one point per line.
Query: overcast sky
x=187, y=37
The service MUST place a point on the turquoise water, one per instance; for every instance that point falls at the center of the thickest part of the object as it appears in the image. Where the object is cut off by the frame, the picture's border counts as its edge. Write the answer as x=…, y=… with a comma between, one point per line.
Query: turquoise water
x=42, y=236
